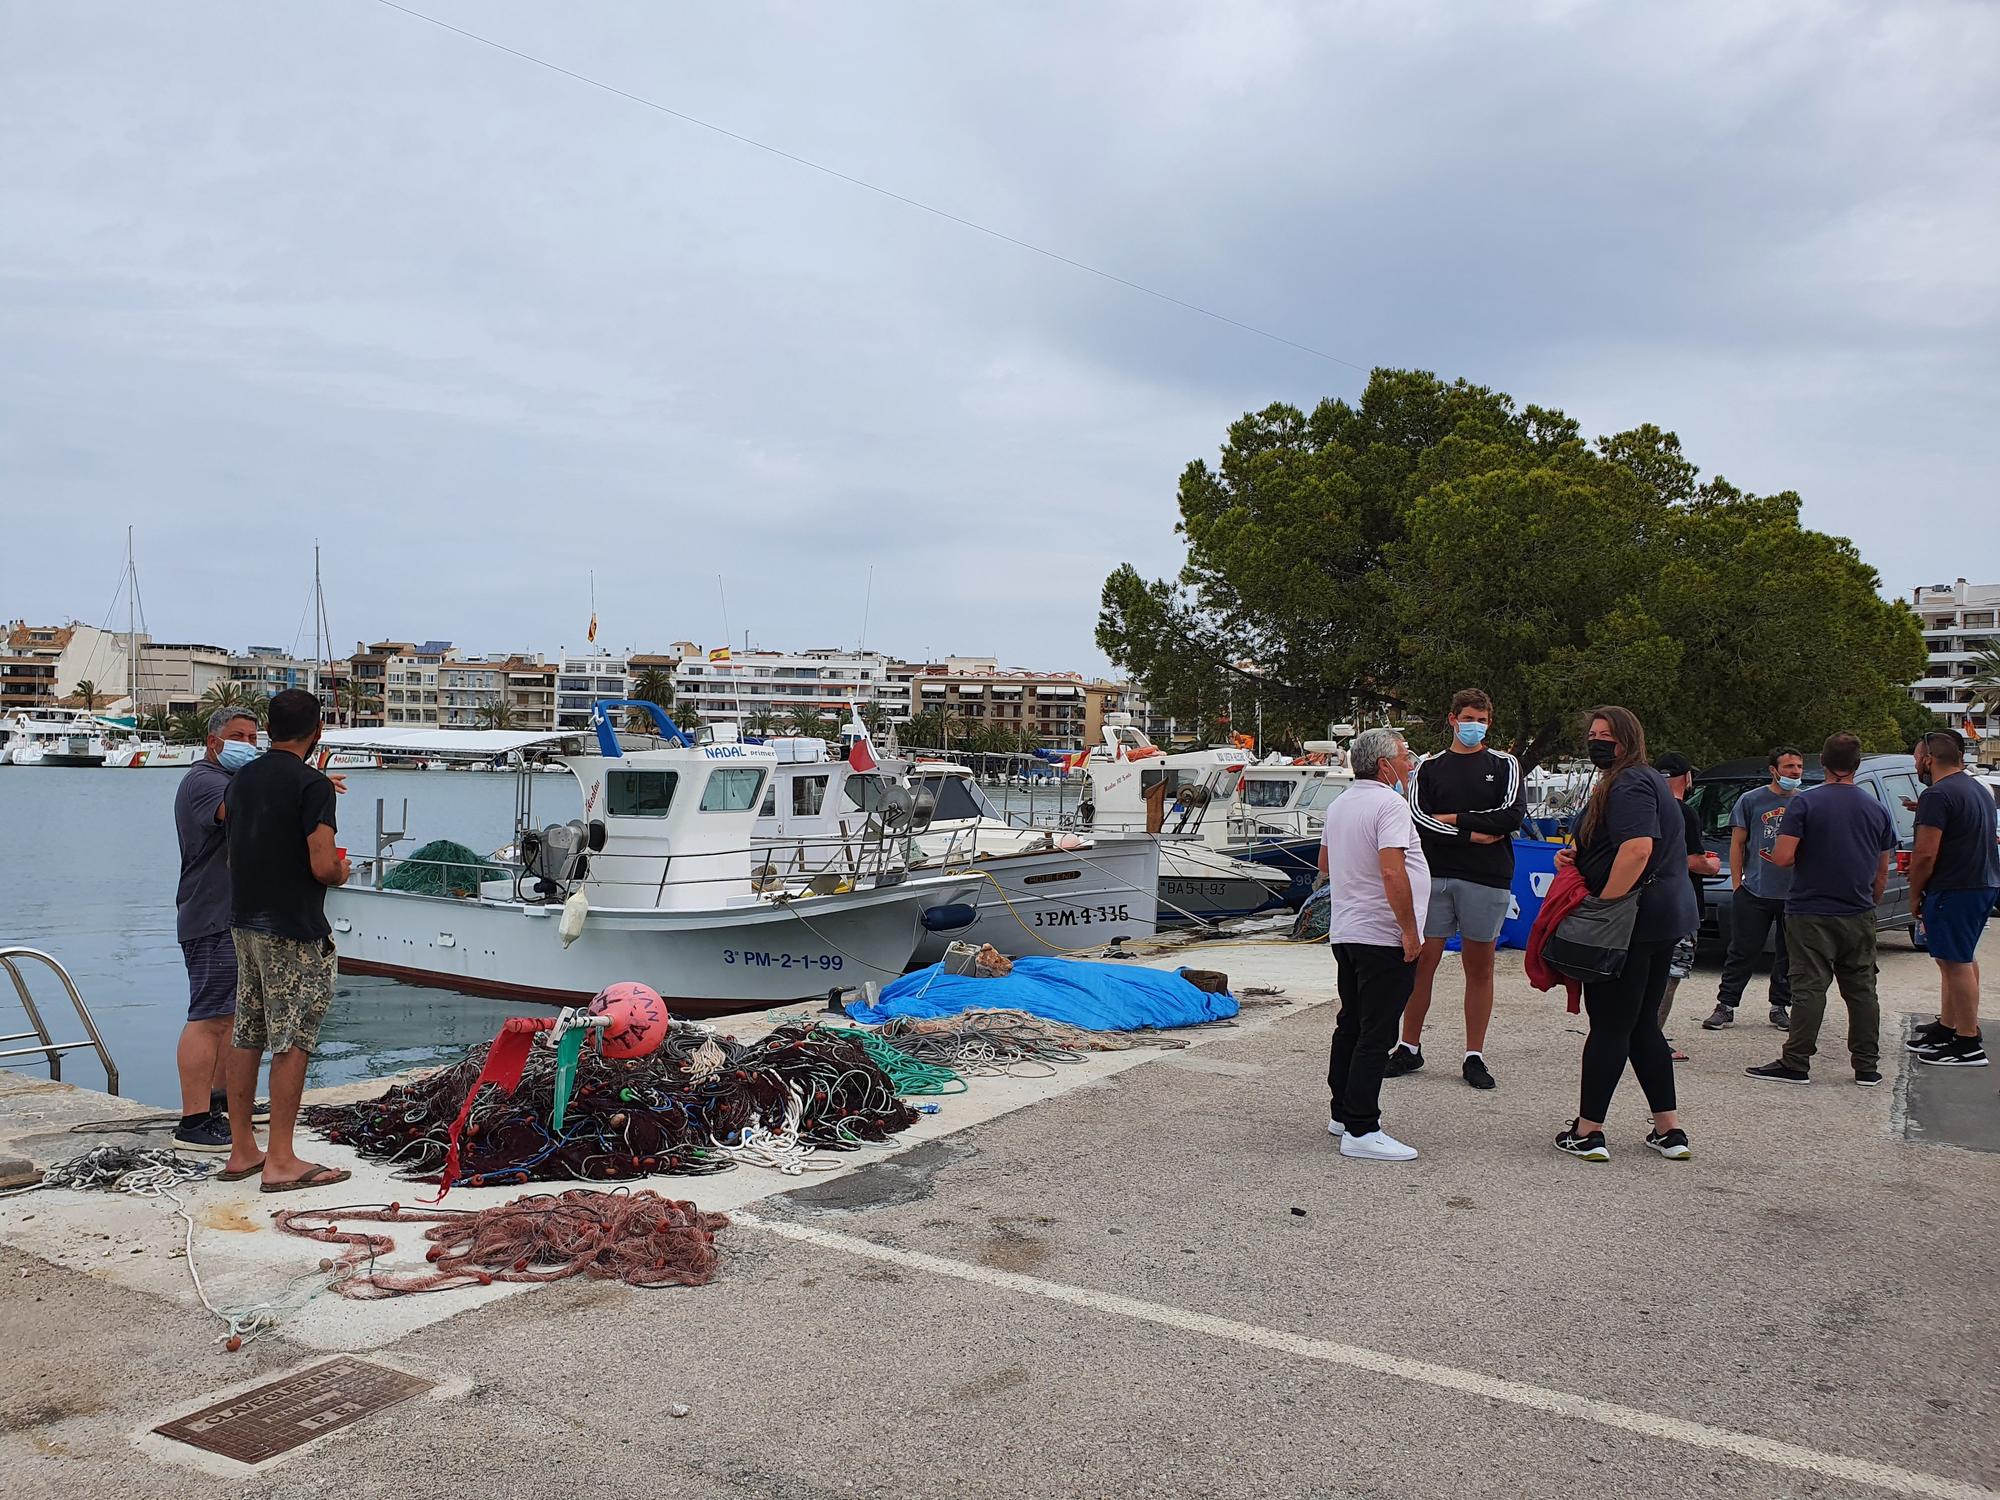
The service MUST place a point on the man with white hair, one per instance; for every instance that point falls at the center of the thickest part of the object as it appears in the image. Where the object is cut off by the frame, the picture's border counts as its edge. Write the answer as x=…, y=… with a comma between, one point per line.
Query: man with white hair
x=201, y=923
x=1377, y=883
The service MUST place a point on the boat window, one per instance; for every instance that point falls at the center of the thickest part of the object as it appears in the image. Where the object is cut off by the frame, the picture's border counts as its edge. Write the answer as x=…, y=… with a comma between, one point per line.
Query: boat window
x=770, y=807
x=1266, y=791
x=1321, y=793
x=639, y=794
x=866, y=793
x=732, y=789
x=956, y=797
x=808, y=796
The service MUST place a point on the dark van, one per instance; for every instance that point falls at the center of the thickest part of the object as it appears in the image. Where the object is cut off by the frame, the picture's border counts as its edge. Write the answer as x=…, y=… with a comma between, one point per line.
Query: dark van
x=1892, y=779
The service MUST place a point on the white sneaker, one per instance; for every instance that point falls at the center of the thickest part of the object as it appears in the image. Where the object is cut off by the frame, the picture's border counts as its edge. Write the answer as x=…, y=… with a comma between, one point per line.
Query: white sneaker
x=1376, y=1146
x=1334, y=1127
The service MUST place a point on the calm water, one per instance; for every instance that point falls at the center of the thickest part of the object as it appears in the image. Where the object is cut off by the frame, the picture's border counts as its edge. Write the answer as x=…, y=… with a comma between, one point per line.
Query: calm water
x=88, y=865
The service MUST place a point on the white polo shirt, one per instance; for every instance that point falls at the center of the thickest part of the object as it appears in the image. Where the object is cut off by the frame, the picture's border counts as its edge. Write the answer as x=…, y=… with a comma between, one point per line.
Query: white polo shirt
x=1360, y=823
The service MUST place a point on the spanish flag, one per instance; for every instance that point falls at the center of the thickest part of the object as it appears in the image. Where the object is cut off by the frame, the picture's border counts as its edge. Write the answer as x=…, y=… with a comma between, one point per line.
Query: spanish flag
x=591, y=634
x=719, y=653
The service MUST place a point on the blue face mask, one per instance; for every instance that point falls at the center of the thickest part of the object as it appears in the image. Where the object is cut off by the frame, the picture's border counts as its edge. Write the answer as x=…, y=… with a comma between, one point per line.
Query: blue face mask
x=1791, y=783
x=235, y=755
x=1471, y=732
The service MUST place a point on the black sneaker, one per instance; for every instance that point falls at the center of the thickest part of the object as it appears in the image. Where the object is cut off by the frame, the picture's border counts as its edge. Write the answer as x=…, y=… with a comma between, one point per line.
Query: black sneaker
x=1402, y=1060
x=1673, y=1145
x=1584, y=1147
x=1781, y=1017
x=1959, y=1052
x=1477, y=1073
x=1930, y=1034
x=1867, y=1077
x=1777, y=1072
x=1723, y=1015
x=209, y=1134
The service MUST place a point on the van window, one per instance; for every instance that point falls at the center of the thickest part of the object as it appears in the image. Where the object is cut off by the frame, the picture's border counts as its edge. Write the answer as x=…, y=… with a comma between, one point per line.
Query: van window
x=1896, y=785
x=639, y=794
x=732, y=789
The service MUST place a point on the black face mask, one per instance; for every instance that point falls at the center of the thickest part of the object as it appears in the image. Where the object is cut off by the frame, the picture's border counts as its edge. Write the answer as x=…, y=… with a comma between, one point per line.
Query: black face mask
x=1603, y=754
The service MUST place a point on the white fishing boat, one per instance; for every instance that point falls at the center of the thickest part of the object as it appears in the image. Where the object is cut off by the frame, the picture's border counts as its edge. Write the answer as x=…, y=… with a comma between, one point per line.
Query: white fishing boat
x=154, y=754
x=1039, y=890
x=1184, y=797
x=654, y=883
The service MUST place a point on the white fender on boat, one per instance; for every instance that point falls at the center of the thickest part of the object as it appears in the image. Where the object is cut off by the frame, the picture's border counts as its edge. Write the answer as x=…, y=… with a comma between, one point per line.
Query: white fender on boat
x=574, y=911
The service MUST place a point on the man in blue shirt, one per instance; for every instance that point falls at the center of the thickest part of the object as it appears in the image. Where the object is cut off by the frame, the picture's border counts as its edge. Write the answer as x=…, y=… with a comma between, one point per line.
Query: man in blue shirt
x=1757, y=892
x=1954, y=881
x=201, y=923
x=1836, y=840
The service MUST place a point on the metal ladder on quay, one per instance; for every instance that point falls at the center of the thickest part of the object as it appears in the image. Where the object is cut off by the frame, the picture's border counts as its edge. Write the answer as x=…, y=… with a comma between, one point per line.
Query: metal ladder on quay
x=38, y=1036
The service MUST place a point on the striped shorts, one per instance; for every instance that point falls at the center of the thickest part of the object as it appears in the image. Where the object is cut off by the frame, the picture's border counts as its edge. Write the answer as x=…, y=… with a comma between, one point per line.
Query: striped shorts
x=211, y=966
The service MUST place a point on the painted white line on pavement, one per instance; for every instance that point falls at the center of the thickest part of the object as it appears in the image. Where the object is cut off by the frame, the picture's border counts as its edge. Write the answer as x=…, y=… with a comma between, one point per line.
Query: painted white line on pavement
x=1445, y=1377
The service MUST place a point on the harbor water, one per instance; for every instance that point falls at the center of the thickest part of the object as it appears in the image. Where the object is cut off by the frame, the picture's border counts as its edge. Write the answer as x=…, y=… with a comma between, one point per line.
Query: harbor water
x=88, y=866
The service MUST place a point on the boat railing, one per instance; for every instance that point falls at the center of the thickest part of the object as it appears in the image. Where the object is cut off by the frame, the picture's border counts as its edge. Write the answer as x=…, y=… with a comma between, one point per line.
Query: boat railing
x=38, y=1034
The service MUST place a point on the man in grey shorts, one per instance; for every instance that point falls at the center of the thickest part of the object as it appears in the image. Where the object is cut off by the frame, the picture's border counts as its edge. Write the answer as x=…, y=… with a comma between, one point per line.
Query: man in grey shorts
x=1468, y=802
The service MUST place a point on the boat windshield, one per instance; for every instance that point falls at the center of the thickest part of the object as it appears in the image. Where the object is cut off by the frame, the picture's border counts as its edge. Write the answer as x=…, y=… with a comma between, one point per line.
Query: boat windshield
x=866, y=793
x=1266, y=791
x=956, y=798
x=1322, y=792
x=732, y=789
x=639, y=794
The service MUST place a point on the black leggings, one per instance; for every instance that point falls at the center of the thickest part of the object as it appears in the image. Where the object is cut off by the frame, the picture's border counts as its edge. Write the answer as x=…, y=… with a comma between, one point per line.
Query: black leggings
x=1625, y=1027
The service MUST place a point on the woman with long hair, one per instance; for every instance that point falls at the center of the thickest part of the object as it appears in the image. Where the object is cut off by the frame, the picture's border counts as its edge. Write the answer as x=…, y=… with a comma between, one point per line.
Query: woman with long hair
x=1631, y=840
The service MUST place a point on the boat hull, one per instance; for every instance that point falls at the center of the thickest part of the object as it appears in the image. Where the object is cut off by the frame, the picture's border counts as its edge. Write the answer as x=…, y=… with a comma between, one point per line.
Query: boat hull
x=1298, y=859
x=1198, y=883
x=703, y=963
x=1060, y=901
x=64, y=758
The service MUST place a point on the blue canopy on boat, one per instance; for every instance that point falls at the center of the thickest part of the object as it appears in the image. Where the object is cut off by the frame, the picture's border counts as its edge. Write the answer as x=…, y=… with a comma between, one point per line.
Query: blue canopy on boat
x=1095, y=996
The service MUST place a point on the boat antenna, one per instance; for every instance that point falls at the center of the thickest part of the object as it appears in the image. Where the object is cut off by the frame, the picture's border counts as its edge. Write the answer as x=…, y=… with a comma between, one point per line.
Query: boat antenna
x=867, y=599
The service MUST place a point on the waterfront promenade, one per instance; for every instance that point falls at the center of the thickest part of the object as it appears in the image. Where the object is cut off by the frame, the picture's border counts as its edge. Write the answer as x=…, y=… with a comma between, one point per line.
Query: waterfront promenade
x=1151, y=1275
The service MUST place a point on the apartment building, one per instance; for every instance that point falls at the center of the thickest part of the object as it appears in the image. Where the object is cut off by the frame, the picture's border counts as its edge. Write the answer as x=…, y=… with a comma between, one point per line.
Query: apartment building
x=1960, y=620
x=760, y=688
x=582, y=682
x=175, y=675
x=1056, y=710
x=265, y=670
x=516, y=691
x=41, y=665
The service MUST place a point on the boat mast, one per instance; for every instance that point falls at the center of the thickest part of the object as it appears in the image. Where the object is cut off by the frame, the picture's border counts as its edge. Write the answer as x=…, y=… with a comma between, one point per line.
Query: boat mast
x=131, y=630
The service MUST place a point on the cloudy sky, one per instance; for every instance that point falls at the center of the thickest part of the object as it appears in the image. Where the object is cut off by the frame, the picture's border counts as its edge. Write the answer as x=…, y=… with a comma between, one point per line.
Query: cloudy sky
x=278, y=273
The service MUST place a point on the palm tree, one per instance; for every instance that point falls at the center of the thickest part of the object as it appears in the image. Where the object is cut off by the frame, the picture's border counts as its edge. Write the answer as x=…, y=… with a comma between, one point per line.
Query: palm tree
x=762, y=722
x=159, y=722
x=87, y=691
x=496, y=713
x=1983, y=686
x=357, y=697
x=933, y=729
x=189, y=728
x=654, y=686
x=807, y=721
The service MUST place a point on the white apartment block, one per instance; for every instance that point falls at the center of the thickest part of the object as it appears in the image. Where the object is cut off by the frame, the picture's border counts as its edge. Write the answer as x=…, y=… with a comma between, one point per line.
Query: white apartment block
x=1960, y=620
x=410, y=685
x=584, y=681
x=751, y=685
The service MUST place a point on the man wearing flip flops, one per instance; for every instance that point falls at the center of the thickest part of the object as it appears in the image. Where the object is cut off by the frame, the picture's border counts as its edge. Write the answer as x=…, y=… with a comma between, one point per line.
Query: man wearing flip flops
x=282, y=857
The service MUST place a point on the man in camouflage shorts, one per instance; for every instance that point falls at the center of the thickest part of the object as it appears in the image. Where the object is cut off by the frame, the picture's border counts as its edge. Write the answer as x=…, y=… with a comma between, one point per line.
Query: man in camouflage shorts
x=282, y=857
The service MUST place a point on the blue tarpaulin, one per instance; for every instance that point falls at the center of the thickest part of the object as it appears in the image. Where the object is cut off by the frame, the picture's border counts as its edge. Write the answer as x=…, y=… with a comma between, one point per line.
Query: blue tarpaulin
x=1097, y=997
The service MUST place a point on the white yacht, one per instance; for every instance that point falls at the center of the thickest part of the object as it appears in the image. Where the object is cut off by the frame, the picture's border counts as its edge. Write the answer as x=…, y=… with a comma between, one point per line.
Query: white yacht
x=54, y=737
x=657, y=882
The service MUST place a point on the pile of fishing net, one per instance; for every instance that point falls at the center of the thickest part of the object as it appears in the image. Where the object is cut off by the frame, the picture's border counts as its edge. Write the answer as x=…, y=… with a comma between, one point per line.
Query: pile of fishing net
x=689, y=1109
x=442, y=868
x=638, y=1238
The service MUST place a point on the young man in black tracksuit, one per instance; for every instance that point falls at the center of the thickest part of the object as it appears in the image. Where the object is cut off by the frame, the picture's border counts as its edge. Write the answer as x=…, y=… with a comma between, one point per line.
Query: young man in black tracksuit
x=1468, y=802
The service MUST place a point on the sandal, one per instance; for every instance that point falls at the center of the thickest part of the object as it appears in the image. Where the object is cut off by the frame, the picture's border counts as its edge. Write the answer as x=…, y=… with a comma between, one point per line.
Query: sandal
x=240, y=1176
x=312, y=1177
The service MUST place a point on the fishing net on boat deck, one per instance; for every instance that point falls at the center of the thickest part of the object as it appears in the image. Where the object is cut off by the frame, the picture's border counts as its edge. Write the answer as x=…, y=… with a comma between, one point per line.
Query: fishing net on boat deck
x=442, y=868
x=683, y=1110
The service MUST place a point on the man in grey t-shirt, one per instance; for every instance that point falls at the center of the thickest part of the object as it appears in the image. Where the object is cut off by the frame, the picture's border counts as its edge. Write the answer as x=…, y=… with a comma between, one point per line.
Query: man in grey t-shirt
x=1757, y=892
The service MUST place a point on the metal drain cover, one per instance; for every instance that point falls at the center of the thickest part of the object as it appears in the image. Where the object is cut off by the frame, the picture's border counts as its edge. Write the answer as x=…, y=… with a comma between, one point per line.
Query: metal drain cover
x=272, y=1419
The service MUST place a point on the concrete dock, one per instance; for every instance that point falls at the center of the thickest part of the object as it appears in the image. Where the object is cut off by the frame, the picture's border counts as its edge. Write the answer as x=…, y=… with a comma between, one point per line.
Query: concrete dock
x=1149, y=1275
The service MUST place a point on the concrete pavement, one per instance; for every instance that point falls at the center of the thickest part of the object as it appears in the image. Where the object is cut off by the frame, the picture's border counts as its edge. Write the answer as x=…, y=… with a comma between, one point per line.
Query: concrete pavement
x=1110, y=1289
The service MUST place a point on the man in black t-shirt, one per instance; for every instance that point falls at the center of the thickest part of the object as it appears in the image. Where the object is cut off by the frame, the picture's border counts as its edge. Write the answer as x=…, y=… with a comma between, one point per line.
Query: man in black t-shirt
x=1954, y=881
x=282, y=858
x=1468, y=801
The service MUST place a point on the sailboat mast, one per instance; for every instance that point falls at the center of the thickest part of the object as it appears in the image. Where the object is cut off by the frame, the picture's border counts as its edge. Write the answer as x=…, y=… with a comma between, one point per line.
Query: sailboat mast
x=131, y=629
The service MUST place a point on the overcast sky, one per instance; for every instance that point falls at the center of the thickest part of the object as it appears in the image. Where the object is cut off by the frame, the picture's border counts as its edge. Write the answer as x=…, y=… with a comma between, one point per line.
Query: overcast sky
x=278, y=273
